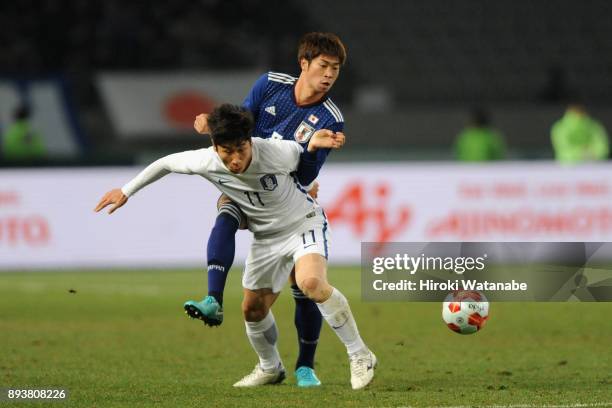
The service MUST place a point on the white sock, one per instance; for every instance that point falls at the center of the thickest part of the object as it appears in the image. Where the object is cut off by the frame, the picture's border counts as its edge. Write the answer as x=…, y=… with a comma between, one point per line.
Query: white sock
x=337, y=313
x=263, y=336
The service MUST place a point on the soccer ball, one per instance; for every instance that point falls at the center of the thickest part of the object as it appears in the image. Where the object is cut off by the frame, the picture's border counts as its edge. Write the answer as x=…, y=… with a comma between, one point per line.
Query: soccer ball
x=465, y=311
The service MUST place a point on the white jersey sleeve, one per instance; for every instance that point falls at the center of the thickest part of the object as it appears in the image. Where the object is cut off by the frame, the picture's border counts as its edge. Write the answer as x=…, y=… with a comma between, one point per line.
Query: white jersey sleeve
x=189, y=162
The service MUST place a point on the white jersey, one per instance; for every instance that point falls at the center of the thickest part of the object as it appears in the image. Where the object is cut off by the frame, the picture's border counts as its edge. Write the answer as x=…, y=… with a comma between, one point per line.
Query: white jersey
x=266, y=192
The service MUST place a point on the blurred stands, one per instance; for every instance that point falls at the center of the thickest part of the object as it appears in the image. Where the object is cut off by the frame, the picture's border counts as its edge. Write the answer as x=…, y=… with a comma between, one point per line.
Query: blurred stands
x=78, y=38
x=457, y=51
x=414, y=70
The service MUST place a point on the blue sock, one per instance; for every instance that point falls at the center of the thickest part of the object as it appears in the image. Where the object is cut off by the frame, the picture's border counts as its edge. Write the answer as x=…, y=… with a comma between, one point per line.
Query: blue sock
x=308, y=322
x=220, y=253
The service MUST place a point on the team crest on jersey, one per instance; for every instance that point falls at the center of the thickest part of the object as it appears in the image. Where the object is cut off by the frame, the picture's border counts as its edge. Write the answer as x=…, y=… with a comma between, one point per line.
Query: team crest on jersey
x=313, y=119
x=303, y=132
x=269, y=182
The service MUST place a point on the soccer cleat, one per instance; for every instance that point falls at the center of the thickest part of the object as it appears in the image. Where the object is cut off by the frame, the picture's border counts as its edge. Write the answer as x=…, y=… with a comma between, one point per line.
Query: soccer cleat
x=306, y=377
x=362, y=368
x=260, y=376
x=208, y=310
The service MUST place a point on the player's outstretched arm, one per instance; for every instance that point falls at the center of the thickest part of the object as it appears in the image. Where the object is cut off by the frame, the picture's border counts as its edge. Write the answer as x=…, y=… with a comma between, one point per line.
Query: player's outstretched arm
x=190, y=162
x=114, y=197
x=325, y=138
x=201, y=124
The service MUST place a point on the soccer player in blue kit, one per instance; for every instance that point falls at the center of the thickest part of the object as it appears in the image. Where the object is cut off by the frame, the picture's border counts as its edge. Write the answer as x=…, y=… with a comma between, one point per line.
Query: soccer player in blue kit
x=284, y=107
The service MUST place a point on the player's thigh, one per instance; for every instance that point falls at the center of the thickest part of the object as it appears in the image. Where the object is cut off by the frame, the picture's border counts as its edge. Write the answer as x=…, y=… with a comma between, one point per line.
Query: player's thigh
x=311, y=247
x=268, y=265
x=311, y=266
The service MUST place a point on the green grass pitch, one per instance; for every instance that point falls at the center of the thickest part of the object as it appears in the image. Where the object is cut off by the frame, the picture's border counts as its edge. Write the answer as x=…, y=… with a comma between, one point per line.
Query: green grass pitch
x=123, y=340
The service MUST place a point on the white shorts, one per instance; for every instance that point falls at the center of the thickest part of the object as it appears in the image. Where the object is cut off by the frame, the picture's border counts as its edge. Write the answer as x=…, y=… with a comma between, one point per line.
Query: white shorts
x=271, y=259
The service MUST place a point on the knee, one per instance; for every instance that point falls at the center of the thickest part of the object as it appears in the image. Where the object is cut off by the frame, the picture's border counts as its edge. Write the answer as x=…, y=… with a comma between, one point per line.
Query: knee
x=315, y=288
x=254, y=310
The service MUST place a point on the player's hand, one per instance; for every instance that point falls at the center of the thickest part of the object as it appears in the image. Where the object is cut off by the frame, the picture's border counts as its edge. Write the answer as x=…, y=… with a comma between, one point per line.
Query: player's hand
x=314, y=191
x=201, y=124
x=340, y=138
x=115, y=197
x=325, y=138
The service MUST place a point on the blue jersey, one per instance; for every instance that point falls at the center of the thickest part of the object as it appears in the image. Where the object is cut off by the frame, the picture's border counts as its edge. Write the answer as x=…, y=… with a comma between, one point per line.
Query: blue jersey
x=277, y=115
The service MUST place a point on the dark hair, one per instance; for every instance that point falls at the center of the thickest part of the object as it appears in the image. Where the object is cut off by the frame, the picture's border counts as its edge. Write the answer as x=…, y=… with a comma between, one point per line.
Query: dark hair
x=314, y=44
x=230, y=125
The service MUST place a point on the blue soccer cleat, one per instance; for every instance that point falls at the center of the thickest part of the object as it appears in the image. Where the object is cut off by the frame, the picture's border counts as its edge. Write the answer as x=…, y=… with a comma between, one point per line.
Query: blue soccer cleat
x=208, y=310
x=306, y=377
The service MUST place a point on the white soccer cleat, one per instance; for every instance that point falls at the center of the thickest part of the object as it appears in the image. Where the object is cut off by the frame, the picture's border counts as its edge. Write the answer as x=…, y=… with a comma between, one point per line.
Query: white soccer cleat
x=259, y=377
x=362, y=364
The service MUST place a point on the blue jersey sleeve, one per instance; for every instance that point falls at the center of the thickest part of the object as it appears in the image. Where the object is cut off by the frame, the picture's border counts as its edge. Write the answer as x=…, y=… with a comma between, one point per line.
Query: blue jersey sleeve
x=256, y=95
x=311, y=163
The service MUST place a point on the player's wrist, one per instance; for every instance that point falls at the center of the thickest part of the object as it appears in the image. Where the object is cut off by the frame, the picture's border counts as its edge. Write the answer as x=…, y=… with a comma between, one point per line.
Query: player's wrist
x=310, y=151
x=125, y=191
x=313, y=146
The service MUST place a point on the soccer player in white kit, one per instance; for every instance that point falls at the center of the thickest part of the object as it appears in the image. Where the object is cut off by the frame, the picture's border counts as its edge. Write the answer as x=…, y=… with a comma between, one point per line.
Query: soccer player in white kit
x=288, y=227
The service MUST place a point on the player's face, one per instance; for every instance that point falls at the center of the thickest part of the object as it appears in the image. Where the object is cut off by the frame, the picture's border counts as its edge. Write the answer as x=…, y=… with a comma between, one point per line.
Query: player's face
x=236, y=157
x=322, y=72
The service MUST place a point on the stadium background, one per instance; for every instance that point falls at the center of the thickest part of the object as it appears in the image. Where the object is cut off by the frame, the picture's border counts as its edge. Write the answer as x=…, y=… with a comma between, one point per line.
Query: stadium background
x=411, y=80
x=114, y=85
